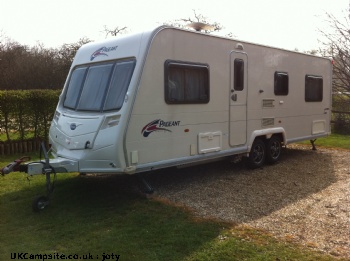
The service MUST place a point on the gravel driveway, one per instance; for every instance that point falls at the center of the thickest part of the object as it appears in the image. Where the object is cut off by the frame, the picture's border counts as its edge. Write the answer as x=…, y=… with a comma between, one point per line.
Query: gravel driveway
x=304, y=198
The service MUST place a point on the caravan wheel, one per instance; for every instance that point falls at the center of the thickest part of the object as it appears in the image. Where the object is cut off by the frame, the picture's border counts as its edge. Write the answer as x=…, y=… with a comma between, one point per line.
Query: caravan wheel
x=257, y=154
x=273, y=149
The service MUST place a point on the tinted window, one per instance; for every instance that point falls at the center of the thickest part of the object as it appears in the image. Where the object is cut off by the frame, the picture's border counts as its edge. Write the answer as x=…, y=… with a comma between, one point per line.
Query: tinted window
x=95, y=87
x=74, y=87
x=313, y=88
x=186, y=83
x=238, y=83
x=119, y=85
x=99, y=87
x=281, y=83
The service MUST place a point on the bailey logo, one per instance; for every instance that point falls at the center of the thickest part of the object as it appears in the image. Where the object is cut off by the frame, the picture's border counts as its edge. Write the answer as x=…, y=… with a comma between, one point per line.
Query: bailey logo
x=73, y=125
x=103, y=51
x=158, y=125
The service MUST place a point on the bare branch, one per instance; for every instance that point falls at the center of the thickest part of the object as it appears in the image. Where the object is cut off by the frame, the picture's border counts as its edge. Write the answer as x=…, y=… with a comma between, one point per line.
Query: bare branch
x=198, y=18
x=337, y=46
x=114, y=32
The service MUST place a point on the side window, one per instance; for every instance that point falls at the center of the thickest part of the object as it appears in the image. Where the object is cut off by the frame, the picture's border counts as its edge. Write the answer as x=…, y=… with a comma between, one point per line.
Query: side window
x=186, y=83
x=313, y=88
x=238, y=79
x=281, y=83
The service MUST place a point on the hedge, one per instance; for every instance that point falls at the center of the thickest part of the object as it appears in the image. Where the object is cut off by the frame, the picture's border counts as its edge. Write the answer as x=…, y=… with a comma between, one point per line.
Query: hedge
x=26, y=114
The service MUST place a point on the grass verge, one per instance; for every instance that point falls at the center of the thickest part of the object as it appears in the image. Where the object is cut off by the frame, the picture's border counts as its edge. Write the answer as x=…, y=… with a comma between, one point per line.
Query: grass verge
x=333, y=141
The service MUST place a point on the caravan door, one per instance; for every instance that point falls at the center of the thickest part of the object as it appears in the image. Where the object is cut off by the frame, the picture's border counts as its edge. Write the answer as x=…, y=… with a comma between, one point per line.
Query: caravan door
x=238, y=98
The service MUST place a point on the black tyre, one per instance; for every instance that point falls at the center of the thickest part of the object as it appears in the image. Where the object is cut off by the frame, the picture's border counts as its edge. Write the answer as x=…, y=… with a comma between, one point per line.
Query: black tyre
x=257, y=154
x=39, y=203
x=273, y=149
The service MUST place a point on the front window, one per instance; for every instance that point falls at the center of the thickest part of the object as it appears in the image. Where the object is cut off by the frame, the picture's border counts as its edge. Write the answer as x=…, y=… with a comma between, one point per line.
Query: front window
x=99, y=87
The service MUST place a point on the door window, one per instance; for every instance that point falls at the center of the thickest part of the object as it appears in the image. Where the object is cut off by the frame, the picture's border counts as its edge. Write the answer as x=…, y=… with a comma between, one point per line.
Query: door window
x=238, y=80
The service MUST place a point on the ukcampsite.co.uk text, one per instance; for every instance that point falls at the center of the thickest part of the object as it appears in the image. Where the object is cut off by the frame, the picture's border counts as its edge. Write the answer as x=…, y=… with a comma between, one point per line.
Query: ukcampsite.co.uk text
x=58, y=256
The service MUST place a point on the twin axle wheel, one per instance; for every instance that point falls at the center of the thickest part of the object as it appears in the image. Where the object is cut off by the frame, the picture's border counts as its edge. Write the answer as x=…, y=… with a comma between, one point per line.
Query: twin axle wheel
x=265, y=151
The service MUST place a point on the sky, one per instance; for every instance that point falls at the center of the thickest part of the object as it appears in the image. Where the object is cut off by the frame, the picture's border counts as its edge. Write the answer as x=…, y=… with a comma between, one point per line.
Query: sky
x=288, y=24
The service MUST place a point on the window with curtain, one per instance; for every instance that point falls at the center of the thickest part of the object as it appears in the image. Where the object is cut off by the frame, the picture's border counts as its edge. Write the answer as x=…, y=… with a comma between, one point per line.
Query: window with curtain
x=186, y=83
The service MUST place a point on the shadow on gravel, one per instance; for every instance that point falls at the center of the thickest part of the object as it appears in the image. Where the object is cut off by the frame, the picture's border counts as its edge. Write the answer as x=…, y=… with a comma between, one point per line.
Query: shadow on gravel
x=234, y=193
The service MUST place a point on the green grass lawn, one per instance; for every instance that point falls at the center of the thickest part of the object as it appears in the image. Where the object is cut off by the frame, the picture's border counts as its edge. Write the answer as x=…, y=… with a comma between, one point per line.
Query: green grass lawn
x=93, y=216
x=333, y=141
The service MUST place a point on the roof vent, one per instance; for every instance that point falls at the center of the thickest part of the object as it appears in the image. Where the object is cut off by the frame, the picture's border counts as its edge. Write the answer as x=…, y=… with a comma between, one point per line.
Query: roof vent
x=198, y=26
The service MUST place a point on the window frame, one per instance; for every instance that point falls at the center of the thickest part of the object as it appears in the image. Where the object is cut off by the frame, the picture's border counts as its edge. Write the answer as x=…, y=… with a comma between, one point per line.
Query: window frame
x=89, y=84
x=279, y=88
x=86, y=67
x=319, y=89
x=238, y=74
x=184, y=65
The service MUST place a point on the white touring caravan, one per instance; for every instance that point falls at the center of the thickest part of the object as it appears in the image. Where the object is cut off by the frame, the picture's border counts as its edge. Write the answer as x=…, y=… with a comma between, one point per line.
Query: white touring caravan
x=171, y=97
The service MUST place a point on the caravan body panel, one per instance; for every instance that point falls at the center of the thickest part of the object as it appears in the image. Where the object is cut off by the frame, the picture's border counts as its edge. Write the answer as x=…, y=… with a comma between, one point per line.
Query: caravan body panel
x=189, y=97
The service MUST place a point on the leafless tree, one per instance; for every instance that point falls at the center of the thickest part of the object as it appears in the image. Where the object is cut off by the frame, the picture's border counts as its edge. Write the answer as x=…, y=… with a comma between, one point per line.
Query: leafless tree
x=66, y=54
x=114, y=32
x=38, y=67
x=337, y=47
x=198, y=18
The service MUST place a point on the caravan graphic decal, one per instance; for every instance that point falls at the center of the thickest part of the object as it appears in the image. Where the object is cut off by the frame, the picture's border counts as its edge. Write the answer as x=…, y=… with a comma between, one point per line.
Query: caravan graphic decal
x=103, y=51
x=158, y=125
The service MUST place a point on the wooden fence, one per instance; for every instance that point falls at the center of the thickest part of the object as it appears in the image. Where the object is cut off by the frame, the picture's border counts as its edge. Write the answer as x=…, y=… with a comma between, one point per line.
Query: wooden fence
x=19, y=147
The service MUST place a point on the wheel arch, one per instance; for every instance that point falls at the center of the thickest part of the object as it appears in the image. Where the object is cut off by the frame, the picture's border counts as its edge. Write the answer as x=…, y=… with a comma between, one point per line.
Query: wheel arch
x=266, y=134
